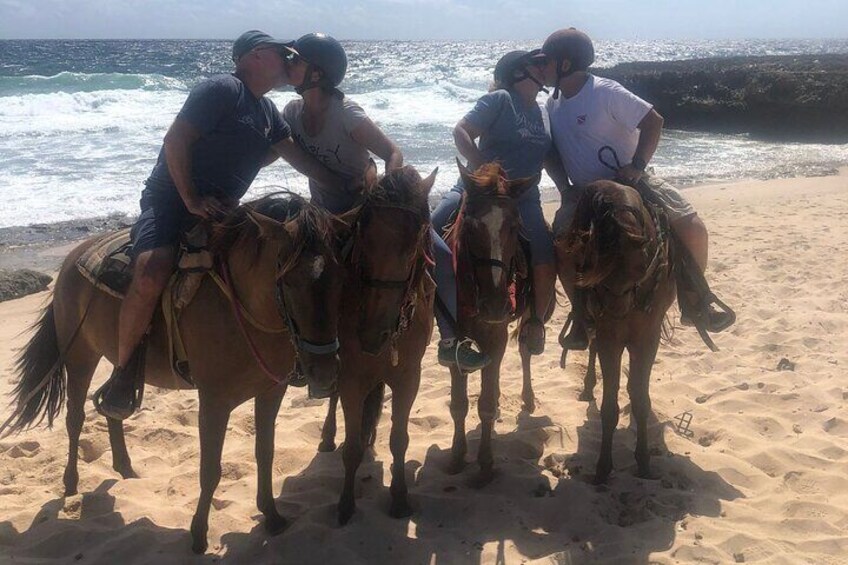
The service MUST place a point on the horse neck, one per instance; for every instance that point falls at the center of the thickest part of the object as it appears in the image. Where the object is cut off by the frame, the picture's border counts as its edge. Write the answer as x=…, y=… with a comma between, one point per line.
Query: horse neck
x=254, y=281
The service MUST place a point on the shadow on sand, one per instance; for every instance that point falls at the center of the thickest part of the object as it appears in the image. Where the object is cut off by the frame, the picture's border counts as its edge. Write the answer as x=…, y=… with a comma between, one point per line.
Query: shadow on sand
x=539, y=508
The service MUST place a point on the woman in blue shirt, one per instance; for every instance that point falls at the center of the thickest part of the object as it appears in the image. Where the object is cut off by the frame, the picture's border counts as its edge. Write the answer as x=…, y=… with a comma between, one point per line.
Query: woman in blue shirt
x=512, y=129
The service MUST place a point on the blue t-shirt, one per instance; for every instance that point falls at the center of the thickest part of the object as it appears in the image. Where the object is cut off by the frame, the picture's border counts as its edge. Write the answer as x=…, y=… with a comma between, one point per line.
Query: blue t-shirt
x=236, y=133
x=516, y=136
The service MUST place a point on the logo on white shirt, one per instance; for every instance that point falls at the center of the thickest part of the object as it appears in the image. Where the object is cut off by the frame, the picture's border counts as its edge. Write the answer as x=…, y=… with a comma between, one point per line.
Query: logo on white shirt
x=581, y=119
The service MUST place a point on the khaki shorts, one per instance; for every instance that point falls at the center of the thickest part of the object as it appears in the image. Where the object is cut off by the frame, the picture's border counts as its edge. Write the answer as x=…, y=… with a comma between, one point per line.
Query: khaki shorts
x=675, y=204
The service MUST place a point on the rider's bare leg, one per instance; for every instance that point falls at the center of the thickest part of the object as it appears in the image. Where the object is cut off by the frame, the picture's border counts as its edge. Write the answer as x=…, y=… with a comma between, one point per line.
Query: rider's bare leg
x=151, y=272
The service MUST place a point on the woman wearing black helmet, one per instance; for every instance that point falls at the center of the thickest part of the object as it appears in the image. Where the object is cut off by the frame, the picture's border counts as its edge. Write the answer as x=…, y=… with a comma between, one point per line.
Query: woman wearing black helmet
x=512, y=130
x=330, y=126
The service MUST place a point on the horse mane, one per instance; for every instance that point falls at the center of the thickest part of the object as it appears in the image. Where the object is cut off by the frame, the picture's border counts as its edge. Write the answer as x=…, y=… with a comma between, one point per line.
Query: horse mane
x=486, y=184
x=238, y=228
x=488, y=180
x=602, y=218
x=399, y=187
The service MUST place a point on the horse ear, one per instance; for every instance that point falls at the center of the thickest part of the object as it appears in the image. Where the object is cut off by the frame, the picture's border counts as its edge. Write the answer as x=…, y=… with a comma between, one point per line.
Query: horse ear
x=518, y=187
x=467, y=176
x=269, y=228
x=427, y=184
x=343, y=223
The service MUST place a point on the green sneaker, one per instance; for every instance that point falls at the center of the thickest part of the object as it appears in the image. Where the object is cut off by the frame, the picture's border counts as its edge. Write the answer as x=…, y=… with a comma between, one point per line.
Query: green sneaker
x=461, y=354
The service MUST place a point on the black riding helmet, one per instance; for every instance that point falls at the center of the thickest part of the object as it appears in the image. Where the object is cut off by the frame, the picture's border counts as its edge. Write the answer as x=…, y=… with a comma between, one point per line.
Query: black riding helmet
x=569, y=45
x=323, y=53
x=512, y=68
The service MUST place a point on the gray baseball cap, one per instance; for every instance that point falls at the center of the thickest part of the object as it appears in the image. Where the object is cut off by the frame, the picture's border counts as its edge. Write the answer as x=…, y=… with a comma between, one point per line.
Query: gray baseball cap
x=252, y=39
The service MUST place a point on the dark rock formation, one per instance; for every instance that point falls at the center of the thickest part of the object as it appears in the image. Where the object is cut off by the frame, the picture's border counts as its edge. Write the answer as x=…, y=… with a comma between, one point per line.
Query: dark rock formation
x=15, y=284
x=786, y=98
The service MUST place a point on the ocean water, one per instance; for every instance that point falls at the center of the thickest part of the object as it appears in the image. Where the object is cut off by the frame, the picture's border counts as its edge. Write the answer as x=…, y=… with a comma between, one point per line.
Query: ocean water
x=81, y=122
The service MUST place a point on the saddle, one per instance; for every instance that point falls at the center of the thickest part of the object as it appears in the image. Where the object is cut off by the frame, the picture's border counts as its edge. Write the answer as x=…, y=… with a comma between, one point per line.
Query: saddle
x=107, y=264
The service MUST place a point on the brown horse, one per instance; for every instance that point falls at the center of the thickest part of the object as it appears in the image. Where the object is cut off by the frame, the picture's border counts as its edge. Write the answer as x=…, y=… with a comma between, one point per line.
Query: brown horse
x=619, y=250
x=385, y=325
x=280, y=257
x=485, y=241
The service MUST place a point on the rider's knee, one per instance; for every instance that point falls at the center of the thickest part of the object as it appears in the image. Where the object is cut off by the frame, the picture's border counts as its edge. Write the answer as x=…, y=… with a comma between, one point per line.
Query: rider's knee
x=152, y=273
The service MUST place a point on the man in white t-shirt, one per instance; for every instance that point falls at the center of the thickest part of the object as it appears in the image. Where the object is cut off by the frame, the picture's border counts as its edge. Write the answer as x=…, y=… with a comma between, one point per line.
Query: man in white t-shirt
x=588, y=113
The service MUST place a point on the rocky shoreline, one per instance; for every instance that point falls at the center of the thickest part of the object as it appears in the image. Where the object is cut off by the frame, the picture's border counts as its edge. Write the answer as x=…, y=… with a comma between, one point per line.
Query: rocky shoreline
x=781, y=98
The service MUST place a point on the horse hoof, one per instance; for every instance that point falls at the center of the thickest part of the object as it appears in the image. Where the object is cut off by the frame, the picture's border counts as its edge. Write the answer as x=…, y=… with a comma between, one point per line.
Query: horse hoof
x=274, y=524
x=346, y=513
x=128, y=473
x=482, y=479
x=198, y=536
x=456, y=466
x=400, y=509
x=71, y=492
x=327, y=447
x=586, y=396
x=199, y=547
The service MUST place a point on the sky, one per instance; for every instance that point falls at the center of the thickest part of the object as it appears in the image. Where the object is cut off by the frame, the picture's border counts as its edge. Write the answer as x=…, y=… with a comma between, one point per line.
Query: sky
x=424, y=19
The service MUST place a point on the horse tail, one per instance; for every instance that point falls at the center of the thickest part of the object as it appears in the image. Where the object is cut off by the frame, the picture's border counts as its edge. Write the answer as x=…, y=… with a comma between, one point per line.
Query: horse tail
x=40, y=391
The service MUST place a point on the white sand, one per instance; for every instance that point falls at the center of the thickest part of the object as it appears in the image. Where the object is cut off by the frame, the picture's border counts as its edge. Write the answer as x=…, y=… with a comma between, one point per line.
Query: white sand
x=763, y=478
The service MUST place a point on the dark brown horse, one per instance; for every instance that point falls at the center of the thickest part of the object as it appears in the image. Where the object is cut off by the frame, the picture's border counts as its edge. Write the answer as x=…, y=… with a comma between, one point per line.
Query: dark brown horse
x=385, y=326
x=619, y=250
x=485, y=242
x=280, y=258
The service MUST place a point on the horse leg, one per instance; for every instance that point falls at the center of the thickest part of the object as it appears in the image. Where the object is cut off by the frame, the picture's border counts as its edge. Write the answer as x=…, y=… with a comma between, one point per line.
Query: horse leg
x=266, y=406
x=402, y=399
x=641, y=363
x=328, y=432
x=610, y=355
x=458, y=410
x=527, y=396
x=487, y=408
x=591, y=379
x=120, y=456
x=213, y=420
x=79, y=373
x=372, y=410
x=351, y=455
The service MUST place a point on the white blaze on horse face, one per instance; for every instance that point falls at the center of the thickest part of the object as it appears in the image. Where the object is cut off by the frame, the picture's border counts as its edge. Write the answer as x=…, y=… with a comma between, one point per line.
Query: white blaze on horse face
x=493, y=220
x=317, y=268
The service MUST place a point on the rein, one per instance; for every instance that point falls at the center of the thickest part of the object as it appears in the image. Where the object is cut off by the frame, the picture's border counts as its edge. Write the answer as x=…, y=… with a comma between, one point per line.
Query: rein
x=458, y=250
x=237, y=312
x=417, y=268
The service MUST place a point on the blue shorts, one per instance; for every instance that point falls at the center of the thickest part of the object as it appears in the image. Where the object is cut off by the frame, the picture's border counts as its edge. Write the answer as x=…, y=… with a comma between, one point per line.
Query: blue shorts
x=533, y=225
x=160, y=224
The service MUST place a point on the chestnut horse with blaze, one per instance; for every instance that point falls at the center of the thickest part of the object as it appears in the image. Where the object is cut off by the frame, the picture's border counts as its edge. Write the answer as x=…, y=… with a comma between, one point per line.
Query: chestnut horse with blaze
x=486, y=247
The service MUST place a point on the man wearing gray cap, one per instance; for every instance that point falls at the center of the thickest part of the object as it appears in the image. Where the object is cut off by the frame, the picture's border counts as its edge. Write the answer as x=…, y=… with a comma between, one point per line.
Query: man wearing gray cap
x=225, y=132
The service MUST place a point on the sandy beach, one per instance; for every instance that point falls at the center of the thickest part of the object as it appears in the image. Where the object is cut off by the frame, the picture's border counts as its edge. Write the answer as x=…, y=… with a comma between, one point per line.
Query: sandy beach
x=762, y=477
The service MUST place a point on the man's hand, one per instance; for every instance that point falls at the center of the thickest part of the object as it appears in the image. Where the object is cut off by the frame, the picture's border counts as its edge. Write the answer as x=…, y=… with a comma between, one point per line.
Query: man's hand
x=209, y=207
x=629, y=175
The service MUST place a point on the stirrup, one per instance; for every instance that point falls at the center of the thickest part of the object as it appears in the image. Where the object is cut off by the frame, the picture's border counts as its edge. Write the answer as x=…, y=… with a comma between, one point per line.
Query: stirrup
x=523, y=337
x=702, y=320
x=100, y=393
x=566, y=340
x=136, y=367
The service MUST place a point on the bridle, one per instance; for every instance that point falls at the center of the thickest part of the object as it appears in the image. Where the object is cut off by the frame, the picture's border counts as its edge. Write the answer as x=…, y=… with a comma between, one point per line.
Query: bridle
x=416, y=267
x=476, y=260
x=300, y=343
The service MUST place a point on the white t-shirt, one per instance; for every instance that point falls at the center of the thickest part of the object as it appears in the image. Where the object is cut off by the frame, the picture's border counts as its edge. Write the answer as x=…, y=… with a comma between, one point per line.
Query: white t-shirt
x=333, y=146
x=602, y=113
